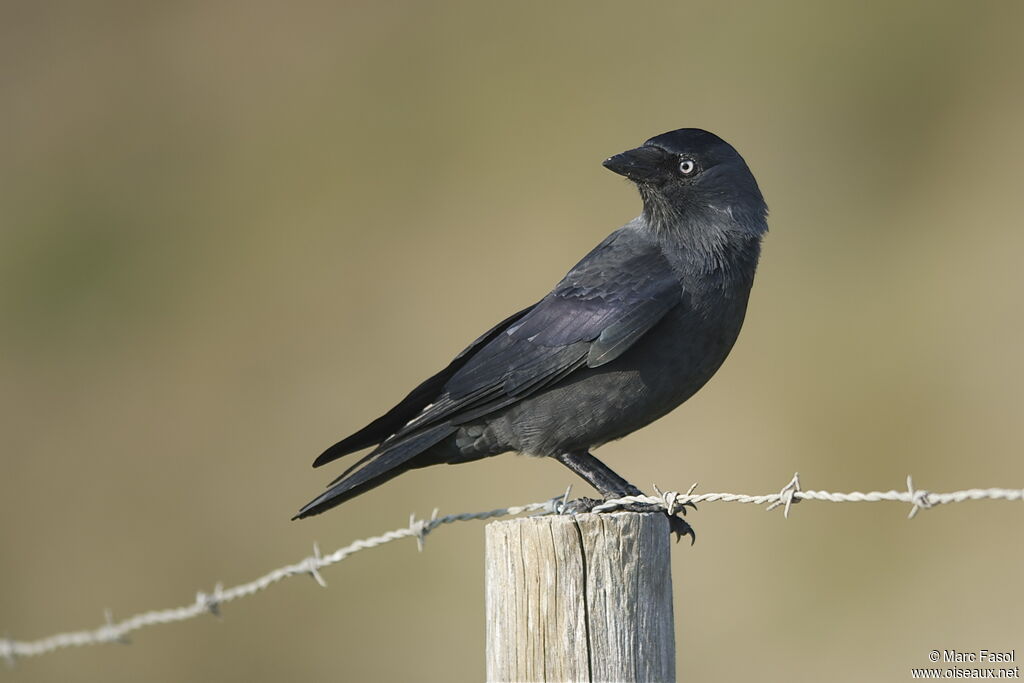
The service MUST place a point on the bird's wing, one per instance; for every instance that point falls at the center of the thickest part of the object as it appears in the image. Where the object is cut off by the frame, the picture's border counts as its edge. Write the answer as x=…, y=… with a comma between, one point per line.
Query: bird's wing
x=606, y=303
x=420, y=397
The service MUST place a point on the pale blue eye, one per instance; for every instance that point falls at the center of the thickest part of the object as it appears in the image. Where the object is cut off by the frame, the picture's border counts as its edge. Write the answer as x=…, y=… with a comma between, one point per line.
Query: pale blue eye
x=686, y=166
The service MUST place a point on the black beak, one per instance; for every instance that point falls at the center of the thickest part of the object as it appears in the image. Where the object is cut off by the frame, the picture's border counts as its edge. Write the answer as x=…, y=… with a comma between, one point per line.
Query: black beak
x=640, y=164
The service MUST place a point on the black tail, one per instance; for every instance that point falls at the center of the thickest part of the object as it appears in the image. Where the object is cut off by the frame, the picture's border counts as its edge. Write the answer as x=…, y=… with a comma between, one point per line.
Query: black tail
x=419, y=398
x=383, y=464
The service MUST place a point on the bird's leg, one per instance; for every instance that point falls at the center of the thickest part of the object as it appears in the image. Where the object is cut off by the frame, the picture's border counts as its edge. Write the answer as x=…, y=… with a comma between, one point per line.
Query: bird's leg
x=611, y=486
x=598, y=475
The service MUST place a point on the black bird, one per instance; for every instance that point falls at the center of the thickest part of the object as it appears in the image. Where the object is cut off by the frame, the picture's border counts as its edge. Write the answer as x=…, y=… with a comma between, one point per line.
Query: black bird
x=632, y=331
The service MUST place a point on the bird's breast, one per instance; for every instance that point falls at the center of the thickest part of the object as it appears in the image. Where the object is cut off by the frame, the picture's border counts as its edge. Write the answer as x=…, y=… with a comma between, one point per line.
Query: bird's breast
x=658, y=373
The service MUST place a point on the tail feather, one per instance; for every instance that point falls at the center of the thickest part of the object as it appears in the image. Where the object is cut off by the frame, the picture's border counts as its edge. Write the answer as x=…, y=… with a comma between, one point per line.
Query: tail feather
x=411, y=406
x=382, y=465
x=386, y=425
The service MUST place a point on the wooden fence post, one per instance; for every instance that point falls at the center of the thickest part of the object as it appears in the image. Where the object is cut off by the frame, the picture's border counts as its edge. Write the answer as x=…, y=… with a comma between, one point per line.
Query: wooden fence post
x=584, y=598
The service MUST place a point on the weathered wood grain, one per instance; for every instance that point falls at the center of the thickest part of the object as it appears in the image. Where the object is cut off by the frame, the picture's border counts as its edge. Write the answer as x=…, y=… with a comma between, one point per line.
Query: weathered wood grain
x=584, y=598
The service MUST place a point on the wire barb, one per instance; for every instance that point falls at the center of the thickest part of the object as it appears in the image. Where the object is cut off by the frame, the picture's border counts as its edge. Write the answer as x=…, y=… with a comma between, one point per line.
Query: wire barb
x=920, y=500
x=789, y=494
x=421, y=527
x=111, y=632
x=313, y=564
x=211, y=601
x=670, y=498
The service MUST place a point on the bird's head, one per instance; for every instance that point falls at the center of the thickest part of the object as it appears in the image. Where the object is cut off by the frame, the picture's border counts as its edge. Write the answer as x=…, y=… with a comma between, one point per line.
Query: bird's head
x=692, y=177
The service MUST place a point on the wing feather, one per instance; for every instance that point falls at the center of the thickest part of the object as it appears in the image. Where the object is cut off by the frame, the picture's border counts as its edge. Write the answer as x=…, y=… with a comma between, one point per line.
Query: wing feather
x=614, y=296
x=413, y=404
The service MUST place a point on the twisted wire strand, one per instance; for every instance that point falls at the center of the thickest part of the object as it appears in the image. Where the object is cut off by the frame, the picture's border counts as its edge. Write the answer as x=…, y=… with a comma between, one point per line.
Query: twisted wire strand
x=210, y=603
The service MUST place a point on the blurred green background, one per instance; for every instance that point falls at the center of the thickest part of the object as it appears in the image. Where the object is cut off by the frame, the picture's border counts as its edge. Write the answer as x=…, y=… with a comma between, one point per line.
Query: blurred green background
x=232, y=233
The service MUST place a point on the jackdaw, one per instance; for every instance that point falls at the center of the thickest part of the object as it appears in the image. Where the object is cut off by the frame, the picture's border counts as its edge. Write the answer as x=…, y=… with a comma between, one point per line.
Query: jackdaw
x=631, y=332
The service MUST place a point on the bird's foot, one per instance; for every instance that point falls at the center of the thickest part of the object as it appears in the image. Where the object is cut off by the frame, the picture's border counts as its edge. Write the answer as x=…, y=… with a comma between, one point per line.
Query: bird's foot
x=677, y=525
x=579, y=506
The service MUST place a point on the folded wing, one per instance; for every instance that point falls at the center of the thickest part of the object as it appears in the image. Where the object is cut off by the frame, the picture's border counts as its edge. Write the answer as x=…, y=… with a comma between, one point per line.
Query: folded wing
x=608, y=301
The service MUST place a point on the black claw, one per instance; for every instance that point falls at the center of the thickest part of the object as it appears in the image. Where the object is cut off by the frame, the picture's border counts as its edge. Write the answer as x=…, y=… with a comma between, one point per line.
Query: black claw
x=680, y=528
x=681, y=507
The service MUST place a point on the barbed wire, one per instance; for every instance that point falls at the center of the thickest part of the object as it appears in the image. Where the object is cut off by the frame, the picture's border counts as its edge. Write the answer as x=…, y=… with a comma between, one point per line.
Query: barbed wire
x=210, y=603
x=791, y=493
